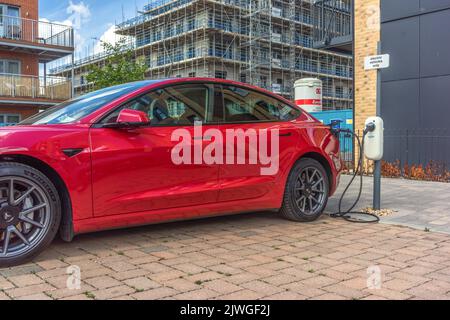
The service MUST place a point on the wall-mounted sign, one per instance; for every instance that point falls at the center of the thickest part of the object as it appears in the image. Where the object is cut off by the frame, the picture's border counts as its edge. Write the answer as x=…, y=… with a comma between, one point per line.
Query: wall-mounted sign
x=377, y=62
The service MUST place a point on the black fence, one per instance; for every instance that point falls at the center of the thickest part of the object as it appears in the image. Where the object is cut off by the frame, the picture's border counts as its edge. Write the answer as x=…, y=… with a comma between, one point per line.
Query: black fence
x=422, y=154
x=348, y=146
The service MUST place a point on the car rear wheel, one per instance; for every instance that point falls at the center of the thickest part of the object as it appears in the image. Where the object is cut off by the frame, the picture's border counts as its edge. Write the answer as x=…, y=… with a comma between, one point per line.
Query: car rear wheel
x=30, y=213
x=307, y=191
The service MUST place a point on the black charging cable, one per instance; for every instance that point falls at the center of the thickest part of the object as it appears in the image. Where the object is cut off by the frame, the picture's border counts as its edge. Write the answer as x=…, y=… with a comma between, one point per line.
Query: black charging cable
x=350, y=215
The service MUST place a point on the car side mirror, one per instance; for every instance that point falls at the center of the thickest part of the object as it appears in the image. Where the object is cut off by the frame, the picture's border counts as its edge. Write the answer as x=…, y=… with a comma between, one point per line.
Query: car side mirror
x=129, y=118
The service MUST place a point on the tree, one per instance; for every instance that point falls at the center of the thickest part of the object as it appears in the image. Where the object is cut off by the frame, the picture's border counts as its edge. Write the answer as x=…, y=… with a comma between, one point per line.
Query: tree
x=120, y=67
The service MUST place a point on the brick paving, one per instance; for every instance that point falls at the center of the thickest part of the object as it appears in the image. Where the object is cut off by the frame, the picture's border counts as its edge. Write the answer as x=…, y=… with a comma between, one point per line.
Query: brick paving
x=417, y=204
x=253, y=256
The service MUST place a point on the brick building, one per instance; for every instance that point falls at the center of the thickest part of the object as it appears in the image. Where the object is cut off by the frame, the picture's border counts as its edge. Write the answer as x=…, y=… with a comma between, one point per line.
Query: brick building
x=26, y=46
x=367, y=36
x=415, y=95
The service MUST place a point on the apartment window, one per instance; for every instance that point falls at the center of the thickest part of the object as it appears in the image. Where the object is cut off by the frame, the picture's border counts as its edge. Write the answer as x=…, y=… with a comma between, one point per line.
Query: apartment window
x=9, y=21
x=180, y=28
x=9, y=66
x=191, y=52
x=9, y=119
x=339, y=92
x=276, y=55
x=221, y=75
x=192, y=75
x=263, y=80
x=8, y=12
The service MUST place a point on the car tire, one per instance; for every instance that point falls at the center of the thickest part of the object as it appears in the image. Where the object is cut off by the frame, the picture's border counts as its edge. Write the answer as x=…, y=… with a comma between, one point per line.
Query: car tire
x=29, y=219
x=307, y=191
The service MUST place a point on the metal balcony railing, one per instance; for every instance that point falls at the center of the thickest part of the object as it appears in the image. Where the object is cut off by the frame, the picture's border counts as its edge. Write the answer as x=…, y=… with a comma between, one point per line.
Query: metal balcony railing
x=31, y=87
x=333, y=19
x=37, y=32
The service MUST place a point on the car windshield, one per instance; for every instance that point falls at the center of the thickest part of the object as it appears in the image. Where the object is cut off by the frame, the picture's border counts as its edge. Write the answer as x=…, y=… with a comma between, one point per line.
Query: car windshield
x=76, y=109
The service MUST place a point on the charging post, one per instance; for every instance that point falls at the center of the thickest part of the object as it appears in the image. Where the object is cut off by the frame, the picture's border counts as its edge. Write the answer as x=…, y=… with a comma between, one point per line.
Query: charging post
x=378, y=62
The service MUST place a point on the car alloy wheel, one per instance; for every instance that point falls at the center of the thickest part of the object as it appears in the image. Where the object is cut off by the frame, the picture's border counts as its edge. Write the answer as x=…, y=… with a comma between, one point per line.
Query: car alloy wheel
x=24, y=216
x=307, y=191
x=310, y=194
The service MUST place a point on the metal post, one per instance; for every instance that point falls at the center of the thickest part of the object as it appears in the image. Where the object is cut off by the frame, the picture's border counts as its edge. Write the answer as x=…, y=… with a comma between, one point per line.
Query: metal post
x=73, y=76
x=377, y=168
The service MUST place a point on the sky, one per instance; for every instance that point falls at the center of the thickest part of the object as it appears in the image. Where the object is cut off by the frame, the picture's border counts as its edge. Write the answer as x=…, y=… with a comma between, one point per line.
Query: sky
x=91, y=19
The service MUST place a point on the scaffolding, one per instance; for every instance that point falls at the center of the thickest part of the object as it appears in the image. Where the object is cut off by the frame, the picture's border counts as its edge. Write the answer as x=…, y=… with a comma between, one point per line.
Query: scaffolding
x=267, y=43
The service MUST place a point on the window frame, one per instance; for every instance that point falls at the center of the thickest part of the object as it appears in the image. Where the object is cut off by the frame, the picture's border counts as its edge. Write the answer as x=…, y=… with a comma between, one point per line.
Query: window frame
x=300, y=112
x=6, y=63
x=209, y=109
x=5, y=13
x=5, y=8
x=6, y=115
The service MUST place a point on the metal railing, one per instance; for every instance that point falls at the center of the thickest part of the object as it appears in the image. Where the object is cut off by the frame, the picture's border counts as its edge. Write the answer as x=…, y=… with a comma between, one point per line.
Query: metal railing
x=418, y=154
x=39, y=32
x=332, y=19
x=31, y=87
x=158, y=7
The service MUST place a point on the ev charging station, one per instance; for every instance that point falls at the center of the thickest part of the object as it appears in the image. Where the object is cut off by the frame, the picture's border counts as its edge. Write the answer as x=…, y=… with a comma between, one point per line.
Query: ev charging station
x=308, y=95
x=374, y=140
x=376, y=143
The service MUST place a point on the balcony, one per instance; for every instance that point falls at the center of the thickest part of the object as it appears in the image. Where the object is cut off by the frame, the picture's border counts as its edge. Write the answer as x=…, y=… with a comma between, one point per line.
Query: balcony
x=43, y=90
x=49, y=40
x=333, y=25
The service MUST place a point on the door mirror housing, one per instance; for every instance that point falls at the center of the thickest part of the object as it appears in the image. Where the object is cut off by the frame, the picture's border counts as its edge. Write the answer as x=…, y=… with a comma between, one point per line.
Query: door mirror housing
x=129, y=118
x=133, y=116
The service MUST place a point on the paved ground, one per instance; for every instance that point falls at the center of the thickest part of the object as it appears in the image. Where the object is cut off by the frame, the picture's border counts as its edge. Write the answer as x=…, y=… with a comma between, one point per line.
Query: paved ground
x=256, y=256
x=417, y=204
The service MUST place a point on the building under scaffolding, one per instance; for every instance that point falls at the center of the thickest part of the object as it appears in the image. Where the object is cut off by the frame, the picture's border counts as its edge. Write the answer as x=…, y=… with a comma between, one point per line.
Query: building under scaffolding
x=268, y=43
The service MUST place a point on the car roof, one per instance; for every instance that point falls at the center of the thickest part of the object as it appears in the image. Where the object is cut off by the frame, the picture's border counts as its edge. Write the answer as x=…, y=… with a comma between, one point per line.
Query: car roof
x=153, y=83
x=138, y=87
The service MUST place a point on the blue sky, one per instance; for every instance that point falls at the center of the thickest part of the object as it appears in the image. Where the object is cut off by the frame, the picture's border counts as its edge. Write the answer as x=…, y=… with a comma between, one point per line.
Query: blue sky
x=90, y=18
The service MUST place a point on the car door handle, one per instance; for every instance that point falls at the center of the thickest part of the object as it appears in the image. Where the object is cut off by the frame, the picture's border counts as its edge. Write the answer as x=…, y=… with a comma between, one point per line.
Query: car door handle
x=283, y=135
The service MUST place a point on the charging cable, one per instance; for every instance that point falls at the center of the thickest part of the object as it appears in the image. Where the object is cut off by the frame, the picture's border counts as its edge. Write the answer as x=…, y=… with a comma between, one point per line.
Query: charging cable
x=350, y=215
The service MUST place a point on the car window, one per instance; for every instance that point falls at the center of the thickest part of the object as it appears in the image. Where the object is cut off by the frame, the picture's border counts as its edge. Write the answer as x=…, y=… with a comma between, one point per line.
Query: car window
x=242, y=105
x=180, y=105
x=76, y=109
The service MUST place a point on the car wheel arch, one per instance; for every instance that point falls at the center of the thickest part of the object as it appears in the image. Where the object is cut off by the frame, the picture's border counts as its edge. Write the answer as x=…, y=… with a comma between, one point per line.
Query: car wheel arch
x=322, y=160
x=66, y=229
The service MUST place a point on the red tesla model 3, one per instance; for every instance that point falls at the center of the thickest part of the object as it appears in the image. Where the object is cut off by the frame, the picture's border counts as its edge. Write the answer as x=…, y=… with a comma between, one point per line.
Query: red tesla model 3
x=106, y=160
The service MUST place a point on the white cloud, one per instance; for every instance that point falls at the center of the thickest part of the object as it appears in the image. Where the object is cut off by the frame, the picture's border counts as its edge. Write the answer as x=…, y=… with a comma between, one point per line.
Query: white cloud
x=78, y=14
x=109, y=36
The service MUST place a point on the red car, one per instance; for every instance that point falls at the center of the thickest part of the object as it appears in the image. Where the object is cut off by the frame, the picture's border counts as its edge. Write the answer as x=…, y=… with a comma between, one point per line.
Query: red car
x=106, y=160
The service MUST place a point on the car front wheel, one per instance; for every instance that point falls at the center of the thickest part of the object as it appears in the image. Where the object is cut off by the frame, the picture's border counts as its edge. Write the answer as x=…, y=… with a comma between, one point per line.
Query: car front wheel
x=307, y=191
x=30, y=213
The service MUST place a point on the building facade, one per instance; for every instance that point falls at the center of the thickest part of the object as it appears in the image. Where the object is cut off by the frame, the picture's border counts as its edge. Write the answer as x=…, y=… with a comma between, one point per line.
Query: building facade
x=26, y=46
x=267, y=43
x=367, y=36
x=415, y=95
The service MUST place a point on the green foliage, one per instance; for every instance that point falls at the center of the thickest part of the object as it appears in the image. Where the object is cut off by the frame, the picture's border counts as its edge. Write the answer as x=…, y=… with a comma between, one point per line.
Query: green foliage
x=120, y=67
